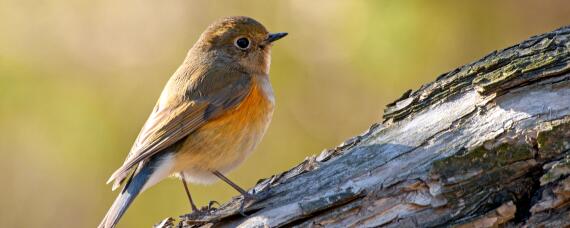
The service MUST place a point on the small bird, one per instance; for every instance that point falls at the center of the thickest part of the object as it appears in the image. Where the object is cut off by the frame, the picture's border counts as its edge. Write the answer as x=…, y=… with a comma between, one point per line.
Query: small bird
x=212, y=113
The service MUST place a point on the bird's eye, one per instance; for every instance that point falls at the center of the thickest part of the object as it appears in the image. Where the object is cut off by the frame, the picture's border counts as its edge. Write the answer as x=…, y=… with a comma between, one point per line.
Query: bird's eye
x=242, y=43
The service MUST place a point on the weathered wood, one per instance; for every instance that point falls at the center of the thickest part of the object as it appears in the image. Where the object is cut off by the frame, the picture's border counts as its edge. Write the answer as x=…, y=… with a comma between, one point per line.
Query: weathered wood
x=484, y=145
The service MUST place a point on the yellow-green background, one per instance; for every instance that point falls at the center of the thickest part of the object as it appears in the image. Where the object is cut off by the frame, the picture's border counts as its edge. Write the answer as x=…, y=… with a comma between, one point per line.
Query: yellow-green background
x=78, y=79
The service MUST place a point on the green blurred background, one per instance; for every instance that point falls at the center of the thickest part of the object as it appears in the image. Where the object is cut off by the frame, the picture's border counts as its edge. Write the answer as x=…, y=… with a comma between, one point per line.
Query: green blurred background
x=79, y=78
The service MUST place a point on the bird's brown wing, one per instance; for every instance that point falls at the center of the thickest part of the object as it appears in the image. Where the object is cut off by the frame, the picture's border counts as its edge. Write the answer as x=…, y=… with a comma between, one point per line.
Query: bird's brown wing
x=206, y=97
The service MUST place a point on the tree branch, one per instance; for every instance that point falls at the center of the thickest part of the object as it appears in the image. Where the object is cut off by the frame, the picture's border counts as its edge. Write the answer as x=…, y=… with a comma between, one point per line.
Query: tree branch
x=486, y=144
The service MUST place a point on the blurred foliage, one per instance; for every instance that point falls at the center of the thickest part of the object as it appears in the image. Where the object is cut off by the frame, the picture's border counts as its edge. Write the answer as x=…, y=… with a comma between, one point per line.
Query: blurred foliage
x=79, y=78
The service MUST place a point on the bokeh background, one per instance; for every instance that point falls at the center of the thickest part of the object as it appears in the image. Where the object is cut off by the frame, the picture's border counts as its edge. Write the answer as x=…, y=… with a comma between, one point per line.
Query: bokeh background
x=79, y=78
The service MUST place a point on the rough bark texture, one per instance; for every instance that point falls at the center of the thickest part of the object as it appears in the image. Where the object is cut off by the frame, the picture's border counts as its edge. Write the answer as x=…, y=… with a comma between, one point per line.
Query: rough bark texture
x=487, y=144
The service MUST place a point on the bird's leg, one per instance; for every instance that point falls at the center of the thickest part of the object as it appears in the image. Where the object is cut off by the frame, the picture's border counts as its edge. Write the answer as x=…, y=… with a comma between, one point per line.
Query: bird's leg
x=194, y=208
x=247, y=197
x=231, y=183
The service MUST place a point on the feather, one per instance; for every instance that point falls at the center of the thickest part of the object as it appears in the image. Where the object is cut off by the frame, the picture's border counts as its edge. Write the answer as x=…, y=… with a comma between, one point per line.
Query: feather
x=136, y=184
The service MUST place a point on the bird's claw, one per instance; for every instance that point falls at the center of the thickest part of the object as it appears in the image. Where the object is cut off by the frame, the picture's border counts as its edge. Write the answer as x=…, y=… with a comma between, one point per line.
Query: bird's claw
x=211, y=205
x=248, y=200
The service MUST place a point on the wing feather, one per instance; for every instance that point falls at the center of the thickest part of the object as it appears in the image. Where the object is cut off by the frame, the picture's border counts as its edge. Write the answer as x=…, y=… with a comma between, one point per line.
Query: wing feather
x=176, y=115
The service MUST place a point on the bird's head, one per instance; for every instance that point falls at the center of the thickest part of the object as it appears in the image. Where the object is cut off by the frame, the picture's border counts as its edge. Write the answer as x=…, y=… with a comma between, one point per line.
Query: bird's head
x=238, y=40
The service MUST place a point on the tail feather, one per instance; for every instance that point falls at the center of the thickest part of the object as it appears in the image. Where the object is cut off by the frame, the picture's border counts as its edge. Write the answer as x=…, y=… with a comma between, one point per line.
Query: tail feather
x=134, y=186
x=118, y=177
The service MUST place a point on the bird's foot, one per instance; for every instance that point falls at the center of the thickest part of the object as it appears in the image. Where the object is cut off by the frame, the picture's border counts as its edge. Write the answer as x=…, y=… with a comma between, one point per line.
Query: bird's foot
x=203, y=211
x=211, y=207
x=248, y=200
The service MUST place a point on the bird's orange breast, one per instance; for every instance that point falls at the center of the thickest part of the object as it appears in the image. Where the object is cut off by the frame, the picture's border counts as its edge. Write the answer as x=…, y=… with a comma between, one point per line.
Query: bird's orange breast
x=224, y=142
x=253, y=108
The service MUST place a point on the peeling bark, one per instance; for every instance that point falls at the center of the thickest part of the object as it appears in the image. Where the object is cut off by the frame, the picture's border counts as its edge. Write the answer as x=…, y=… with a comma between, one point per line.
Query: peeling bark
x=485, y=145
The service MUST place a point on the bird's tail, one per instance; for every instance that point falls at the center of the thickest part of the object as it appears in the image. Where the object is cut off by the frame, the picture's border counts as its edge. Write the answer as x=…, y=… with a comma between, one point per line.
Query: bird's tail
x=132, y=188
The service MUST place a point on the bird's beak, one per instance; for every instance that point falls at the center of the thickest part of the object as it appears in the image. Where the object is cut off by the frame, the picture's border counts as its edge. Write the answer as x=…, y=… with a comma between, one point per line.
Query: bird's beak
x=275, y=36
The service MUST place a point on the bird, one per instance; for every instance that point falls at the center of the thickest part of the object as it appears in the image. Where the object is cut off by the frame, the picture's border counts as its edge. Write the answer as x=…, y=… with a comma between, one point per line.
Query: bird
x=211, y=114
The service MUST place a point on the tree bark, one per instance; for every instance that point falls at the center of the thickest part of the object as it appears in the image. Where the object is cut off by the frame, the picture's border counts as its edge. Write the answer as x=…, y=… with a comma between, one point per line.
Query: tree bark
x=485, y=145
